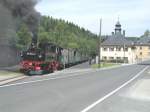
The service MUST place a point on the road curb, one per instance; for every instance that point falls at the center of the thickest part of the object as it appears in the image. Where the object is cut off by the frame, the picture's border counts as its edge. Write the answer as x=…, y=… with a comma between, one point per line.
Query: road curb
x=9, y=80
x=86, y=70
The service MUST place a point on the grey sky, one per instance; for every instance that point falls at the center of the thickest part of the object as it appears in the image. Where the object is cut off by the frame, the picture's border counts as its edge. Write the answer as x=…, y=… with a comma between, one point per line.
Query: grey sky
x=134, y=14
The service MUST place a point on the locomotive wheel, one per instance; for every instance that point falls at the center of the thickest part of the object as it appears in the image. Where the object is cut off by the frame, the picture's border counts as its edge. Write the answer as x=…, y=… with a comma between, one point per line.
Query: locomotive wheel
x=28, y=73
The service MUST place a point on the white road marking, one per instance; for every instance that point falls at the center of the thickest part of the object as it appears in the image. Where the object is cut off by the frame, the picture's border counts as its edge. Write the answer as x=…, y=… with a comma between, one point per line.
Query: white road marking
x=113, y=92
x=68, y=76
x=11, y=80
x=67, y=72
x=58, y=73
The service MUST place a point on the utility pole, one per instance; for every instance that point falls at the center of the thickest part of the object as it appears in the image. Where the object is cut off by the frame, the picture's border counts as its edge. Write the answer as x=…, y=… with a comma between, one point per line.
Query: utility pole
x=99, y=45
x=124, y=47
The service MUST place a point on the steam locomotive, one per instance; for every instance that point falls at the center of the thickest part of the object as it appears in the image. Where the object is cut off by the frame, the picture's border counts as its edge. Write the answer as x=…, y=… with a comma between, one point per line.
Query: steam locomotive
x=48, y=57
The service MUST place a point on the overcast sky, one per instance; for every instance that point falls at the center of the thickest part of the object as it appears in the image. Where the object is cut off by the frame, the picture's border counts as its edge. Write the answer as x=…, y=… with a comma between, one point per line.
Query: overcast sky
x=134, y=15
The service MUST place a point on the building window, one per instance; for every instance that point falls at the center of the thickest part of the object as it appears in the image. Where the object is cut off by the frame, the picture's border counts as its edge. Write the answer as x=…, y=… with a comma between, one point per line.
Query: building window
x=133, y=48
x=140, y=47
x=118, y=58
x=126, y=49
x=111, y=58
x=118, y=48
x=111, y=49
x=104, y=49
x=149, y=47
x=104, y=58
x=140, y=53
x=126, y=59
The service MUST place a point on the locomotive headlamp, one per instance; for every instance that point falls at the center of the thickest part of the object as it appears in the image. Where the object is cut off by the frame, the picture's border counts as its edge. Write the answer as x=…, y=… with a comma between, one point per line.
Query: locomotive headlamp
x=30, y=63
x=40, y=56
x=21, y=55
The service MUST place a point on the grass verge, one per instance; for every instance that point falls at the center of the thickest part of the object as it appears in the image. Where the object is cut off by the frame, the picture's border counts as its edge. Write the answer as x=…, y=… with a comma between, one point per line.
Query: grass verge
x=8, y=74
x=105, y=65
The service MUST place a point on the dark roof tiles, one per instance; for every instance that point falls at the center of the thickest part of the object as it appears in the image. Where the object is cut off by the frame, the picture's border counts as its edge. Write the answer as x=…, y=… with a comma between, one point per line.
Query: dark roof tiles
x=144, y=41
x=118, y=40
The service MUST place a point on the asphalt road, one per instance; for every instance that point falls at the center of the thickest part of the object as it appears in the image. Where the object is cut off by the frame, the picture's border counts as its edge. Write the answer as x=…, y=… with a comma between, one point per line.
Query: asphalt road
x=88, y=90
x=81, y=66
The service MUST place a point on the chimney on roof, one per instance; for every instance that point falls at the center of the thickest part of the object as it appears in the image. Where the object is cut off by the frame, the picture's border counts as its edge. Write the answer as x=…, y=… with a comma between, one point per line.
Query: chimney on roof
x=124, y=33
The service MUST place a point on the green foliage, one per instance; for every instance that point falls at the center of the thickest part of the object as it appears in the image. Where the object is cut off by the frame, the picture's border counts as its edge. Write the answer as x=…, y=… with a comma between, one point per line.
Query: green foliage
x=146, y=34
x=73, y=45
x=67, y=35
x=105, y=65
x=61, y=33
x=23, y=37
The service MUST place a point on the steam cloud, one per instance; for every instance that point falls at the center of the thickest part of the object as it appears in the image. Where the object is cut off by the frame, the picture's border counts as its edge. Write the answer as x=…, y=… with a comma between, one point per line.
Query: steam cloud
x=24, y=9
x=12, y=11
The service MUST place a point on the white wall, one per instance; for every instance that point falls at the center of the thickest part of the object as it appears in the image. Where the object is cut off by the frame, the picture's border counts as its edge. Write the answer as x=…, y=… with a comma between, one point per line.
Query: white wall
x=130, y=54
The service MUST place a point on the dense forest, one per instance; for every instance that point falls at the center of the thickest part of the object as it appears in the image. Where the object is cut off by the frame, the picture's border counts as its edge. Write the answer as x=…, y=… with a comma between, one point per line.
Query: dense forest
x=60, y=32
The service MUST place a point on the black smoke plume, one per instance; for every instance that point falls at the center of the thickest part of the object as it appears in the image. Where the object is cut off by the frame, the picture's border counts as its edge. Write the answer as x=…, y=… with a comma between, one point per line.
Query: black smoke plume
x=25, y=10
x=12, y=11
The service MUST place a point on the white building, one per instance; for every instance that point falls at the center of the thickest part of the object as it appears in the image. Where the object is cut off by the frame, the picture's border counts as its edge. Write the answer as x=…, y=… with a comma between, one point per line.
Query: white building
x=118, y=54
x=118, y=49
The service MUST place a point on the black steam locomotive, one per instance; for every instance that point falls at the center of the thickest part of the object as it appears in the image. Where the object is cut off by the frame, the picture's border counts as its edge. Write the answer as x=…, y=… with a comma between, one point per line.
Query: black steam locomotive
x=45, y=58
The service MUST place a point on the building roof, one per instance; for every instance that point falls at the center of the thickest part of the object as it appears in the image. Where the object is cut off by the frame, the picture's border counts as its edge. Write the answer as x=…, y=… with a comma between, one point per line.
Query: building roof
x=117, y=40
x=143, y=41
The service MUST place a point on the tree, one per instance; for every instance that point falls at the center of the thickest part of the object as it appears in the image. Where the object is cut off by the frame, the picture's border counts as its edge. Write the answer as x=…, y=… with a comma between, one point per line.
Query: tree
x=59, y=32
x=73, y=45
x=24, y=37
x=146, y=34
x=43, y=37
